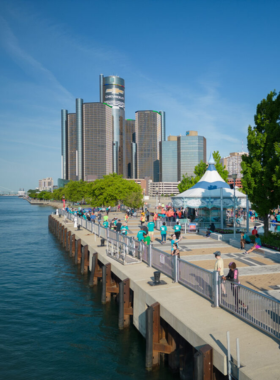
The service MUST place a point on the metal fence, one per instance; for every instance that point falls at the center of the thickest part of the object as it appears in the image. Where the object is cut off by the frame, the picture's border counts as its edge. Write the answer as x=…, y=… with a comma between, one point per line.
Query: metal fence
x=255, y=308
x=198, y=279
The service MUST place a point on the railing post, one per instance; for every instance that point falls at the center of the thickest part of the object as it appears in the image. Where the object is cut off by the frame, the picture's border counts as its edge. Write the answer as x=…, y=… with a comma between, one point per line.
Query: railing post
x=150, y=255
x=215, y=289
x=98, y=229
x=175, y=262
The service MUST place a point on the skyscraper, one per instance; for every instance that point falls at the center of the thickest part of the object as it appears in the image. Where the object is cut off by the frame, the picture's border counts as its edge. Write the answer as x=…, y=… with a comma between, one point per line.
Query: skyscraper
x=79, y=154
x=129, y=139
x=64, y=144
x=71, y=146
x=168, y=161
x=148, y=131
x=112, y=92
x=191, y=149
x=97, y=140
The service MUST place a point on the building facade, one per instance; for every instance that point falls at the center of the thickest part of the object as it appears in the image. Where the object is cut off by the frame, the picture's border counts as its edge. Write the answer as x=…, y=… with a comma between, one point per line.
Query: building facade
x=112, y=92
x=233, y=163
x=97, y=140
x=46, y=184
x=163, y=188
x=64, y=173
x=129, y=140
x=168, y=161
x=148, y=134
x=71, y=146
x=191, y=149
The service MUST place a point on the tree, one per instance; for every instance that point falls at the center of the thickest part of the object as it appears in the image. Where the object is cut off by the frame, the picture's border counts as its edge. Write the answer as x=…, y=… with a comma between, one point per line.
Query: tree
x=76, y=191
x=200, y=169
x=111, y=189
x=134, y=200
x=261, y=169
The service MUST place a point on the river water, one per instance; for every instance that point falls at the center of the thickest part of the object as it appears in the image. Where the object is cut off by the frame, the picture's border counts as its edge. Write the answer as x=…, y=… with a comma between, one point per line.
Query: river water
x=52, y=324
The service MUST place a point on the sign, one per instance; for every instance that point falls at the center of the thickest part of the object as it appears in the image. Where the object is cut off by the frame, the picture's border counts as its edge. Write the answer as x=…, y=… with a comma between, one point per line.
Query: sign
x=162, y=259
x=192, y=227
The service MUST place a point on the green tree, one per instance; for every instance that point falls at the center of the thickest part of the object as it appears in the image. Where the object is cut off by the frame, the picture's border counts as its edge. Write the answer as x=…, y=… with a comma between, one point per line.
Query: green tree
x=261, y=169
x=111, y=189
x=76, y=191
x=134, y=200
x=200, y=169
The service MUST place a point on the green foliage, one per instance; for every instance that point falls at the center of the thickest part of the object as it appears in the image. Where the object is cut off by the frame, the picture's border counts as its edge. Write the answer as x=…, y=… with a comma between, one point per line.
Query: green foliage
x=75, y=191
x=58, y=194
x=112, y=189
x=134, y=200
x=261, y=169
x=200, y=169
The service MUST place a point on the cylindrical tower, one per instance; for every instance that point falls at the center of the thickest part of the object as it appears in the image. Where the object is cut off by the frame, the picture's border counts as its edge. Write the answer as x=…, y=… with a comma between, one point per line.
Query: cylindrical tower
x=114, y=95
x=79, y=154
x=101, y=95
x=64, y=144
x=163, y=126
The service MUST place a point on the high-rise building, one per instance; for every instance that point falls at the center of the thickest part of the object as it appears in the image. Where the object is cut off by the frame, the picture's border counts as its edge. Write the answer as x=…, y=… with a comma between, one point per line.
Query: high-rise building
x=112, y=92
x=148, y=132
x=97, y=140
x=71, y=146
x=129, y=140
x=233, y=163
x=46, y=184
x=168, y=161
x=64, y=144
x=79, y=153
x=191, y=149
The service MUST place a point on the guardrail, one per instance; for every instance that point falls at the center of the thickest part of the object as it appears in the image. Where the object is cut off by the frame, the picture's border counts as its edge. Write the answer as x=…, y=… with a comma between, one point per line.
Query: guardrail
x=255, y=308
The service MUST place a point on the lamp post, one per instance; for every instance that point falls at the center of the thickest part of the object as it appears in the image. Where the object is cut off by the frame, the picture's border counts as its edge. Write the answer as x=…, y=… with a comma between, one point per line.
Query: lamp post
x=156, y=198
x=234, y=176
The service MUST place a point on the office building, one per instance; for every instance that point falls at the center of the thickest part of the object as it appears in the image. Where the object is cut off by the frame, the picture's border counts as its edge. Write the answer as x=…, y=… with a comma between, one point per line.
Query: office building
x=163, y=188
x=148, y=133
x=64, y=144
x=97, y=140
x=191, y=149
x=71, y=146
x=79, y=126
x=168, y=161
x=232, y=163
x=112, y=92
x=129, y=148
x=46, y=184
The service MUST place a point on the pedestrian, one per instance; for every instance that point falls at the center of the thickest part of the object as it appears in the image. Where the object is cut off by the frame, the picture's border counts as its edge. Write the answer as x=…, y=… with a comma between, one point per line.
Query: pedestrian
x=175, y=250
x=106, y=224
x=93, y=217
x=118, y=225
x=254, y=231
x=177, y=230
x=124, y=229
x=148, y=215
x=163, y=231
x=107, y=210
x=105, y=218
x=244, y=240
x=257, y=245
x=174, y=241
x=142, y=219
x=151, y=226
x=99, y=217
x=140, y=235
x=233, y=277
x=219, y=264
x=126, y=218
x=147, y=239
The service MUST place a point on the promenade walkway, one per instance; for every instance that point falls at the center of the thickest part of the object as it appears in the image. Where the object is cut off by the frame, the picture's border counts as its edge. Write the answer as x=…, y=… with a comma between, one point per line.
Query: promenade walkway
x=192, y=315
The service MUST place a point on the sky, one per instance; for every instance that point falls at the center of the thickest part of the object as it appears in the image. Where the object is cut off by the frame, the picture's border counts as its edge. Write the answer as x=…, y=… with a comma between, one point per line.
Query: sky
x=207, y=64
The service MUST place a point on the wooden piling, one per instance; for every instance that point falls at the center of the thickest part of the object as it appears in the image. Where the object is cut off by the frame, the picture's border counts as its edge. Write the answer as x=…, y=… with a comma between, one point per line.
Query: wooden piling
x=125, y=308
x=106, y=282
x=203, y=363
x=84, y=260
x=68, y=245
x=78, y=251
x=96, y=271
x=72, y=246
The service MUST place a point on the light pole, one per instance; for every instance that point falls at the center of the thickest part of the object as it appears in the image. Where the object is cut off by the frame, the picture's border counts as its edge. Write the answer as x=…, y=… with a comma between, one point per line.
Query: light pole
x=234, y=176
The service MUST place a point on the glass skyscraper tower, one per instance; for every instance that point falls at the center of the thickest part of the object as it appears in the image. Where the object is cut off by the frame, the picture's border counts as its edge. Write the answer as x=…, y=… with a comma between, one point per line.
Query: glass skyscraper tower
x=112, y=92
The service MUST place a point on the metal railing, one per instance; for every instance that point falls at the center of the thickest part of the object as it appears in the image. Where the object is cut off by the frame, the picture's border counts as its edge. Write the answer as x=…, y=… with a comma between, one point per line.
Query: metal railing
x=255, y=308
x=198, y=279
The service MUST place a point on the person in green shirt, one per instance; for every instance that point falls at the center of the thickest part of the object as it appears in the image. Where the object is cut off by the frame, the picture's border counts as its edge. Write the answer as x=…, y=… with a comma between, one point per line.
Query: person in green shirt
x=177, y=230
x=106, y=224
x=163, y=231
x=244, y=240
x=147, y=239
x=256, y=245
x=140, y=235
x=124, y=229
x=105, y=218
x=151, y=226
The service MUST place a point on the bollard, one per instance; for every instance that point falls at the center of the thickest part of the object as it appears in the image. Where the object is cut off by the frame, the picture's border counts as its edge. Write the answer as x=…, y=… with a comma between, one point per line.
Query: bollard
x=93, y=267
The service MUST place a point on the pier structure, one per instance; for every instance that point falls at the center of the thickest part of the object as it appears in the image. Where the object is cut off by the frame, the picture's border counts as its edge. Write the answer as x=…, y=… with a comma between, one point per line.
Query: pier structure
x=179, y=325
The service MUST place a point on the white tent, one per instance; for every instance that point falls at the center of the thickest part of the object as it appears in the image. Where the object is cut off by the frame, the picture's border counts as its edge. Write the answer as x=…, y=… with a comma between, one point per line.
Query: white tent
x=210, y=192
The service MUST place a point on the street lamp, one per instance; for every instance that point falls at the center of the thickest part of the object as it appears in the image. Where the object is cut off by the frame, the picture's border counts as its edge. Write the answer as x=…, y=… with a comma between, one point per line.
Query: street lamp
x=234, y=176
x=156, y=198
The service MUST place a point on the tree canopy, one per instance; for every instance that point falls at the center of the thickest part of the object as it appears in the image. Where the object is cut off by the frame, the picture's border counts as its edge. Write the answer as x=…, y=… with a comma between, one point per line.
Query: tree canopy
x=261, y=169
x=200, y=169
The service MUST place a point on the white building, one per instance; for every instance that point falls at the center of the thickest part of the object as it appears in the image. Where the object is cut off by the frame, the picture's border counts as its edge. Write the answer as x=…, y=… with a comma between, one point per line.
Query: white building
x=166, y=188
x=46, y=184
x=233, y=163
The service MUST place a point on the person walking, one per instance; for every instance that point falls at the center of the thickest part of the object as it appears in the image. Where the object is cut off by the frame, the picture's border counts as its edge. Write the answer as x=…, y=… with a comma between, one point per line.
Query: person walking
x=163, y=231
x=118, y=225
x=177, y=230
x=174, y=241
x=106, y=224
x=147, y=215
x=151, y=226
x=219, y=264
x=140, y=235
x=147, y=239
x=124, y=229
x=142, y=219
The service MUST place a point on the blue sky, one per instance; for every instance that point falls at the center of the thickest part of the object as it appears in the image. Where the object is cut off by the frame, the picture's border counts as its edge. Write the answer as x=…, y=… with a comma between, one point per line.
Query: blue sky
x=207, y=64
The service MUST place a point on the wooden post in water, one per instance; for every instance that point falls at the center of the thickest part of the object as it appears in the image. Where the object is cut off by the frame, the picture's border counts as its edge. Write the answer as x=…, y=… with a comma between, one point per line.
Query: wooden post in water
x=68, y=249
x=61, y=234
x=203, y=363
x=84, y=261
x=72, y=246
x=78, y=251
x=173, y=339
x=125, y=308
x=64, y=237
x=96, y=271
x=57, y=228
x=106, y=282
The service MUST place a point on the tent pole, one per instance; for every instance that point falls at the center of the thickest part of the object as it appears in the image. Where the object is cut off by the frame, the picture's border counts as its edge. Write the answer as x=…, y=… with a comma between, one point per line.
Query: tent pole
x=222, y=214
